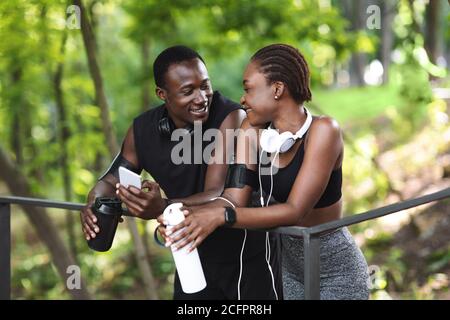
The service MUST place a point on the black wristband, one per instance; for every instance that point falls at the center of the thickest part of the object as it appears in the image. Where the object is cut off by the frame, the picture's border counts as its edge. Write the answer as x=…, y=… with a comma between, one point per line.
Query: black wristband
x=119, y=161
x=238, y=176
x=155, y=237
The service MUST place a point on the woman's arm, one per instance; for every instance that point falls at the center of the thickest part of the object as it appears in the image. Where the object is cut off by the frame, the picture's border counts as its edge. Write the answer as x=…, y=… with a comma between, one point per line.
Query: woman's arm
x=323, y=149
x=217, y=167
x=246, y=153
x=321, y=154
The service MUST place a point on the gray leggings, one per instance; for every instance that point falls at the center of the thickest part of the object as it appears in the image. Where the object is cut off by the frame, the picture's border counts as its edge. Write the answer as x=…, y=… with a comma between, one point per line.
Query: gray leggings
x=343, y=268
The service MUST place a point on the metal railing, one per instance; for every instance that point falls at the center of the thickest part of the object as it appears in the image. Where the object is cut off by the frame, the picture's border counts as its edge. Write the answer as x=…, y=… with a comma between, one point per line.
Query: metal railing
x=311, y=235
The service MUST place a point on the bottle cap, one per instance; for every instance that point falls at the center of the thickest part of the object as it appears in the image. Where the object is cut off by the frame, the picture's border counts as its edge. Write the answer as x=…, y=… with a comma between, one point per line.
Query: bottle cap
x=173, y=214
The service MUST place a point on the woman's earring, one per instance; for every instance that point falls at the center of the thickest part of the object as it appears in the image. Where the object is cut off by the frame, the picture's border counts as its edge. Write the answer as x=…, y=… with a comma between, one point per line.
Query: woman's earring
x=276, y=97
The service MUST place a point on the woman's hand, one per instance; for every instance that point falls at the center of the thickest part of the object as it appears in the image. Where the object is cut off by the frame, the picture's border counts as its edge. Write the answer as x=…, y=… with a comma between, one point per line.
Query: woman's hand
x=162, y=227
x=199, y=222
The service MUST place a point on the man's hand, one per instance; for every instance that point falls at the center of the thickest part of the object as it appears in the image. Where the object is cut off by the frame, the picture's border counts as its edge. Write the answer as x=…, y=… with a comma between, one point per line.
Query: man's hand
x=142, y=204
x=88, y=222
x=161, y=228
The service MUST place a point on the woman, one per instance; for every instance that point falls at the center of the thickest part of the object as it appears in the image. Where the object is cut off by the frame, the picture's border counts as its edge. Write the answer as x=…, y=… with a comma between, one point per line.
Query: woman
x=304, y=176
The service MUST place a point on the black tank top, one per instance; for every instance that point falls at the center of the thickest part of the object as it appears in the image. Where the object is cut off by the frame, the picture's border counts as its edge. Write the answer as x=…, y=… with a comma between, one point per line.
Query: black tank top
x=285, y=177
x=182, y=180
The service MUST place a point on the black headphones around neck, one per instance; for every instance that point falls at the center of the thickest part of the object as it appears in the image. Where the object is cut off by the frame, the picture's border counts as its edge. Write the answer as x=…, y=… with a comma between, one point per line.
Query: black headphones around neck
x=166, y=126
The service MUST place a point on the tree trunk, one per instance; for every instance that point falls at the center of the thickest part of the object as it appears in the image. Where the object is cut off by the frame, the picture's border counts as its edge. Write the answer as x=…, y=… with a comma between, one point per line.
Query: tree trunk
x=44, y=226
x=37, y=172
x=432, y=29
x=145, y=240
x=21, y=123
x=142, y=260
x=16, y=137
x=93, y=21
x=62, y=129
x=387, y=9
x=100, y=97
x=146, y=69
x=352, y=10
x=358, y=58
x=16, y=140
x=89, y=43
x=63, y=136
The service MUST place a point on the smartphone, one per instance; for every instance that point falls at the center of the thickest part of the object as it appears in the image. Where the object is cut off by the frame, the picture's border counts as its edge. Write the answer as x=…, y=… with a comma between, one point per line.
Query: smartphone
x=129, y=178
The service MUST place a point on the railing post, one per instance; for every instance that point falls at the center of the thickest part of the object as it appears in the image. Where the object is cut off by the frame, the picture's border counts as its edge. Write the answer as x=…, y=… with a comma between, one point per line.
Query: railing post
x=311, y=250
x=5, y=251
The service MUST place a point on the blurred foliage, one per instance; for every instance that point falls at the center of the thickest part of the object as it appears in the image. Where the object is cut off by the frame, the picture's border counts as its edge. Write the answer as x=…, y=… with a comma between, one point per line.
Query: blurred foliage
x=226, y=33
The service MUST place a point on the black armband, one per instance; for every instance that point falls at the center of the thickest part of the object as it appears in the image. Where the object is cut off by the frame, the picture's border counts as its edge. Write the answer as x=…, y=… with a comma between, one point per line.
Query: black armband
x=119, y=161
x=239, y=176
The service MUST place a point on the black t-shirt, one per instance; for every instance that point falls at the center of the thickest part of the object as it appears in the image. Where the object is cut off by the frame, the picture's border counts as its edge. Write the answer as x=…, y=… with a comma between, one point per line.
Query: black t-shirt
x=179, y=180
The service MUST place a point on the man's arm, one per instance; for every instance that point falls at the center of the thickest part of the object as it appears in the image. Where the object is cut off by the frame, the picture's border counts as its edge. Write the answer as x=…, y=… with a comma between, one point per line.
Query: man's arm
x=146, y=203
x=149, y=204
x=218, y=166
x=105, y=187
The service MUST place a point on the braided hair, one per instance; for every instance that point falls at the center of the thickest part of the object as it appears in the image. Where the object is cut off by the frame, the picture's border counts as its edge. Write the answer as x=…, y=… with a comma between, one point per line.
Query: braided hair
x=282, y=62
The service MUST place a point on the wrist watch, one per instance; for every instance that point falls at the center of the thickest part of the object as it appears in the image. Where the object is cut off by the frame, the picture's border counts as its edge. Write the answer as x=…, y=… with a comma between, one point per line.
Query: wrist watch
x=230, y=216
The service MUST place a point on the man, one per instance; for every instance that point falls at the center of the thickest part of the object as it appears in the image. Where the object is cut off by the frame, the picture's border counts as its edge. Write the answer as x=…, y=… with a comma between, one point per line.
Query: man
x=183, y=83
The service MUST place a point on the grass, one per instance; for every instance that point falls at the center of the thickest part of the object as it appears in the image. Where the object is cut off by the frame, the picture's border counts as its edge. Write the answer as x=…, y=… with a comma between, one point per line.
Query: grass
x=358, y=104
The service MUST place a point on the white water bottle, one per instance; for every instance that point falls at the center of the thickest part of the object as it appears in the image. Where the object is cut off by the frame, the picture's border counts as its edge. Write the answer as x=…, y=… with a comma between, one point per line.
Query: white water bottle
x=188, y=264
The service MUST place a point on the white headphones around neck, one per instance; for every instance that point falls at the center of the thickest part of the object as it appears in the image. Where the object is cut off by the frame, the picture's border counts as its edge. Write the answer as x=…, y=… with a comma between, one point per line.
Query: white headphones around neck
x=271, y=141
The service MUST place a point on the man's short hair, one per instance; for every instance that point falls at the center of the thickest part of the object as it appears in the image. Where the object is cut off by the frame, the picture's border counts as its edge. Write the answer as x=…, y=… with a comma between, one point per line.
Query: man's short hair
x=169, y=56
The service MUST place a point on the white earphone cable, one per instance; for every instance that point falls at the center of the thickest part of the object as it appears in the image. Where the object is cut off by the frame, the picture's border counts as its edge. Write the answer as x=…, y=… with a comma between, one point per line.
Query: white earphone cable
x=271, y=178
x=299, y=134
x=267, y=233
x=241, y=265
x=261, y=198
x=263, y=204
x=224, y=199
x=269, y=266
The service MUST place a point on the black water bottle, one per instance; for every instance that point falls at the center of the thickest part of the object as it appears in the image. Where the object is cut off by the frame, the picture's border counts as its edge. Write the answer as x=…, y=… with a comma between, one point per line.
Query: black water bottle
x=108, y=211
